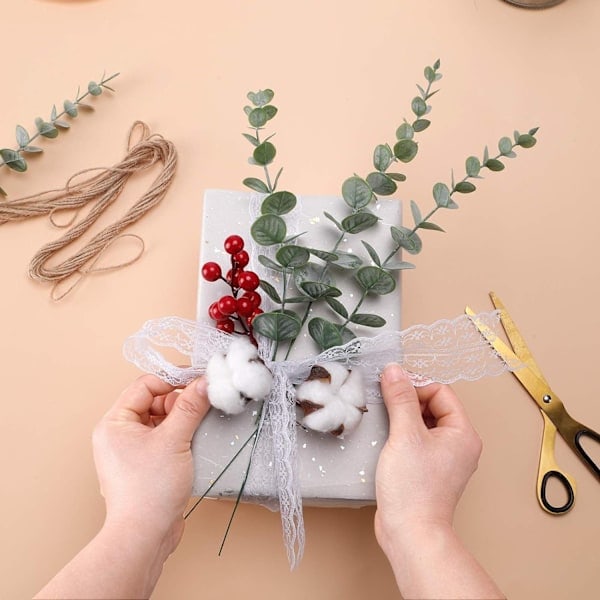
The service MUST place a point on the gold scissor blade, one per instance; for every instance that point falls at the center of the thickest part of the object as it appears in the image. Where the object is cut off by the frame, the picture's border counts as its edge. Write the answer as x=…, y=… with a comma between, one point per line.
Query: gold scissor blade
x=519, y=345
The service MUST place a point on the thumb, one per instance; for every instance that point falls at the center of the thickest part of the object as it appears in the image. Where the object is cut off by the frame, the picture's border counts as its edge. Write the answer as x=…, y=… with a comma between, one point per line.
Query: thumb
x=401, y=401
x=187, y=412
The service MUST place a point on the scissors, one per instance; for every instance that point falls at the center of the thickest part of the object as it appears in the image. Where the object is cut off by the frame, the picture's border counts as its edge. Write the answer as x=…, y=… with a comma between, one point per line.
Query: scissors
x=556, y=418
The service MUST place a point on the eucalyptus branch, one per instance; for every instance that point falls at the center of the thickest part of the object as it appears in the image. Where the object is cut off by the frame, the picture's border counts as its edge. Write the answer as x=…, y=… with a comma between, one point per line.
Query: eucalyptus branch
x=13, y=158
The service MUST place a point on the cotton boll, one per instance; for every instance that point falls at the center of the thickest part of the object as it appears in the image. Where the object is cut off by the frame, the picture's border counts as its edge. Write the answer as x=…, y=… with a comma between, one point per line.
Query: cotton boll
x=315, y=391
x=352, y=418
x=352, y=391
x=326, y=419
x=241, y=350
x=248, y=373
x=221, y=392
x=338, y=373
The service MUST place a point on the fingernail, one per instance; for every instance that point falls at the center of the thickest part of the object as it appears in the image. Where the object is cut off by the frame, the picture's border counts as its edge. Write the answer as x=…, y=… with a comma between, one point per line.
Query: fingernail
x=394, y=372
x=201, y=386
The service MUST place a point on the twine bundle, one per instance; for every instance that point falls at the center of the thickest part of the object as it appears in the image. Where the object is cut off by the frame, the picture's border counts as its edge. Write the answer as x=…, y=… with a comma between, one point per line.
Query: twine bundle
x=102, y=189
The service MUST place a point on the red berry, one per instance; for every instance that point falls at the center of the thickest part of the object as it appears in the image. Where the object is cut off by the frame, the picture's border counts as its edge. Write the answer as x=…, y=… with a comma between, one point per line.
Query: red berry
x=248, y=280
x=214, y=312
x=233, y=244
x=241, y=258
x=254, y=297
x=227, y=305
x=244, y=306
x=211, y=271
x=233, y=276
x=257, y=311
x=227, y=325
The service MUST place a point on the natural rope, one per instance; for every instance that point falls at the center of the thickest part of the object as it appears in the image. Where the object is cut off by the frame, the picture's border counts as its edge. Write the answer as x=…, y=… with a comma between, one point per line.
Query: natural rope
x=103, y=189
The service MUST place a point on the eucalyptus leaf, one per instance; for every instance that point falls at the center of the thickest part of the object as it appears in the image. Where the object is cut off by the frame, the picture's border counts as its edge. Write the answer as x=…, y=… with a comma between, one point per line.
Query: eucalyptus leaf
x=405, y=132
x=372, y=253
x=406, y=239
x=61, y=124
x=381, y=184
x=278, y=326
x=292, y=256
x=399, y=265
x=297, y=299
x=405, y=150
x=533, y=131
x=418, y=106
x=416, y=212
x=278, y=203
x=22, y=136
x=265, y=261
x=256, y=184
x=493, y=164
x=472, y=166
x=53, y=113
x=358, y=222
x=323, y=255
x=46, y=129
x=505, y=145
x=397, y=176
x=526, y=140
x=367, y=319
x=268, y=230
x=326, y=334
x=258, y=117
x=382, y=157
x=429, y=74
x=291, y=238
x=70, y=108
x=375, y=280
x=94, y=89
x=312, y=272
x=421, y=124
x=270, y=111
x=264, y=154
x=430, y=225
x=270, y=291
x=261, y=97
x=464, y=187
x=347, y=334
x=347, y=260
x=31, y=149
x=318, y=289
x=337, y=306
x=13, y=160
x=356, y=192
x=441, y=195
x=333, y=220
x=252, y=139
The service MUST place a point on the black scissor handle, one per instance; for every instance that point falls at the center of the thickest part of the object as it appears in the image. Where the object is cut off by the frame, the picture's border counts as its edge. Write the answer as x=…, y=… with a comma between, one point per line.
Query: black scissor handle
x=568, y=505
x=589, y=461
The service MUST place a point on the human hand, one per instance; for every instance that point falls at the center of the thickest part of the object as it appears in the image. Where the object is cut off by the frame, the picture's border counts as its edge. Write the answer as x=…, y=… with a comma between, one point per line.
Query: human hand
x=429, y=457
x=143, y=458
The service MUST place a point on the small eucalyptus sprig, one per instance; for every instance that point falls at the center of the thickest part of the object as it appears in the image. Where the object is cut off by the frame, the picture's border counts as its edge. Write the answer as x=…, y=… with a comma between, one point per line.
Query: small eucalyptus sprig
x=314, y=282
x=13, y=158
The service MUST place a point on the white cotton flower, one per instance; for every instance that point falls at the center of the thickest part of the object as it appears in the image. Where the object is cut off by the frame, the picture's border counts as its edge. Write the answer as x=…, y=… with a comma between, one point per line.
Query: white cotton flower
x=332, y=399
x=237, y=377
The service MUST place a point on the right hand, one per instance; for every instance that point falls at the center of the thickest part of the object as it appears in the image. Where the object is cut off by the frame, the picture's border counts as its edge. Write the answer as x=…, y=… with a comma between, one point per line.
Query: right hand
x=431, y=452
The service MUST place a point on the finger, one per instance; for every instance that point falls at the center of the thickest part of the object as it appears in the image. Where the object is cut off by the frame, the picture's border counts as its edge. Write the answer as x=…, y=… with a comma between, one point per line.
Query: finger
x=444, y=406
x=187, y=412
x=401, y=401
x=136, y=400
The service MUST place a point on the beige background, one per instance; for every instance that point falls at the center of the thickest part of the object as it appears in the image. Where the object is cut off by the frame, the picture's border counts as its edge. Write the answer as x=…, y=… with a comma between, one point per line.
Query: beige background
x=344, y=74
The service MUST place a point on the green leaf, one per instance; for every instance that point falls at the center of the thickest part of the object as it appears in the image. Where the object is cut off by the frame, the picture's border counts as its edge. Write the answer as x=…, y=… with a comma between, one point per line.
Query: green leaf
x=405, y=150
x=292, y=256
x=13, y=160
x=53, y=113
x=268, y=230
x=312, y=272
x=265, y=261
x=430, y=225
x=270, y=111
x=436, y=64
x=264, y=154
x=323, y=255
x=256, y=184
x=494, y=164
x=486, y=154
x=70, y=108
x=318, y=289
x=270, y=291
x=94, y=89
x=291, y=238
x=31, y=149
x=372, y=253
x=429, y=74
x=441, y=195
x=22, y=136
x=382, y=157
x=325, y=333
x=46, y=129
x=261, y=97
x=252, y=139
x=278, y=326
x=247, y=110
x=367, y=320
x=416, y=212
x=533, y=131
x=526, y=140
x=337, y=306
x=333, y=220
x=505, y=145
x=297, y=300
x=381, y=184
x=406, y=239
x=464, y=187
x=418, y=106
x=61, y=124
x=472, y=166
x=421, y=125
x=375, y=280
x=359, y=222
x=399, y=265
x=397, y=176
x=405, y=132
x=347, y=334
x=346, y=260
x=356, y=192
x=279, y=203
x=258, y=117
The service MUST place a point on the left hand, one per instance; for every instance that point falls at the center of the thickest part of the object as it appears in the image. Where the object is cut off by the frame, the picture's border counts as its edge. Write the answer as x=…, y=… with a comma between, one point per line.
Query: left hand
x=143, y=457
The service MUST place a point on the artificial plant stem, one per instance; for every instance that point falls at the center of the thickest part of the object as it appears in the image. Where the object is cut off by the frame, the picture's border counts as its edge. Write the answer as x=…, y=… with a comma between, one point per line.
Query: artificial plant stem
x=358, y=305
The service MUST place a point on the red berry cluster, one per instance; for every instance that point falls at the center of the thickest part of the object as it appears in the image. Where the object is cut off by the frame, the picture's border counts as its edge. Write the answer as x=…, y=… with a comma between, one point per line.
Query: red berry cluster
x=234, y=307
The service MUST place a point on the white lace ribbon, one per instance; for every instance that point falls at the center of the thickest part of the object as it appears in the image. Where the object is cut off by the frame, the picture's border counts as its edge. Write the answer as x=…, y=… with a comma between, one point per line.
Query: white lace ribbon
x=445, y=351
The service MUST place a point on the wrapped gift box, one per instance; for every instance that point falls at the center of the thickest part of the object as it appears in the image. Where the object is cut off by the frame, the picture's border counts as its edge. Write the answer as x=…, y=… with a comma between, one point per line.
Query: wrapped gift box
x=333, y=471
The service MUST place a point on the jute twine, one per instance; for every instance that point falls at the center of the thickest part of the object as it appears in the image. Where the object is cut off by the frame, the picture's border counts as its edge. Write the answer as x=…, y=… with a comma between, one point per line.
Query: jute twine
x=102, y=189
